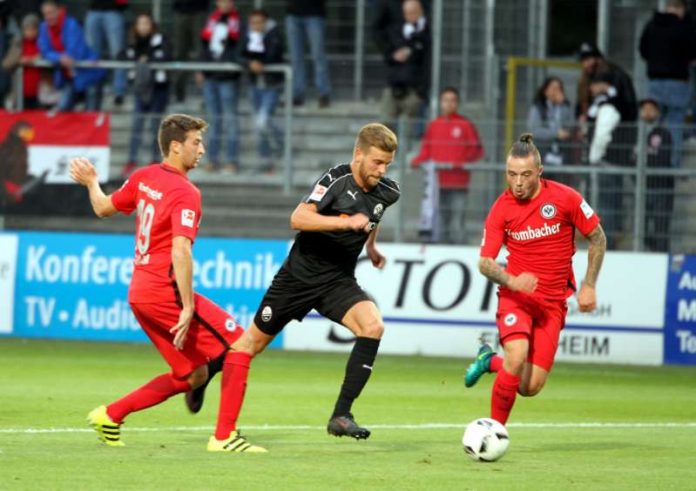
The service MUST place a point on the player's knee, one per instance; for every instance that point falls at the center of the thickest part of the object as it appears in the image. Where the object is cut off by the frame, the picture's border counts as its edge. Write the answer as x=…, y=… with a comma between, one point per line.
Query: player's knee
x=374, y=330
x=530, y=388
x=198, y=377
x=514, y=363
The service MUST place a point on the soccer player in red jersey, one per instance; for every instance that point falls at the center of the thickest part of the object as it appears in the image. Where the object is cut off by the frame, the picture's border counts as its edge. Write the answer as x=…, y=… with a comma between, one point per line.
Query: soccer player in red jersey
x=188, y=329
x=536, y=220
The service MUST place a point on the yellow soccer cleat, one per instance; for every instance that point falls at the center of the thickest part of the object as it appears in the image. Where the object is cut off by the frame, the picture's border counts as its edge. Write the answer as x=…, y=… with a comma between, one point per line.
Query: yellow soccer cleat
x=107, y=431
x=235, y=443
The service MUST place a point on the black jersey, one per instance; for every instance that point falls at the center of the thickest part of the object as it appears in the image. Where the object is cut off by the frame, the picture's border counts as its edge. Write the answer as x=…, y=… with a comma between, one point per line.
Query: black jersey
x=318, y=257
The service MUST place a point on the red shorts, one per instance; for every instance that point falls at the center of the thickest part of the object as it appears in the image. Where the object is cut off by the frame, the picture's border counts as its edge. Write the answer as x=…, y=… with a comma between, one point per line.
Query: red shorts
x=210, y=333
x=540, y=321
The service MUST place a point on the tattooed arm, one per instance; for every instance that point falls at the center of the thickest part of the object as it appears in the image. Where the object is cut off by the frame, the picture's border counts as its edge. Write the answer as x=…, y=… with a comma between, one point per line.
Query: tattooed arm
x=525, y=282
x=587, y=296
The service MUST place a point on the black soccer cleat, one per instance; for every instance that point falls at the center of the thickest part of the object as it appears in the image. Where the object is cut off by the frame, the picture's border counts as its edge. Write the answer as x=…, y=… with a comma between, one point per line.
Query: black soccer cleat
x=346, y=426
x=194, y=397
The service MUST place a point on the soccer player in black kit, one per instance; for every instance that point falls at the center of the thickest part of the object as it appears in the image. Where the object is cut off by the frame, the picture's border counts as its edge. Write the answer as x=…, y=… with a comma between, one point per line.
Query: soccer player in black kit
x=334, y=222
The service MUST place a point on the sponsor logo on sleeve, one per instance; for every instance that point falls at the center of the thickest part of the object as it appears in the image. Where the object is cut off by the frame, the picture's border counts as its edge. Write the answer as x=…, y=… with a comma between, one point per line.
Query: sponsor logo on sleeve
x=318, y=192
x=548, y=211
x=586, y=209
x=510, y=319
x=188, y=218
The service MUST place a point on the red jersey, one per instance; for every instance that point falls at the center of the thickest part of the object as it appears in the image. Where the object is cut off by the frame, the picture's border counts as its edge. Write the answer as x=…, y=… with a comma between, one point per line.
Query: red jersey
x=539, y=235
x=168, y=205
x=450, y=140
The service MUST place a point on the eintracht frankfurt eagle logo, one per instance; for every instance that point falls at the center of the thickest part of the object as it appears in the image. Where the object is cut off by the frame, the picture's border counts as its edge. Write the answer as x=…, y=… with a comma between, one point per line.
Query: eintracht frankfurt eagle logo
x=548, y=210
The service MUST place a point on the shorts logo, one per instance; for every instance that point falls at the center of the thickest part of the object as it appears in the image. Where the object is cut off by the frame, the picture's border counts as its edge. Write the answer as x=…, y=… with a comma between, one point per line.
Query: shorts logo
x=230, y=325
x=266, y=313
x=377, y=212
x=548, y=211
x=187, y=218
x=510, y=320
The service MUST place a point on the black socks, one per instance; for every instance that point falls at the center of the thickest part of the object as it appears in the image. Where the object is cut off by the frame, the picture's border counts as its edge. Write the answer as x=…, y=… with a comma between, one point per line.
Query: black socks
x=358, y=370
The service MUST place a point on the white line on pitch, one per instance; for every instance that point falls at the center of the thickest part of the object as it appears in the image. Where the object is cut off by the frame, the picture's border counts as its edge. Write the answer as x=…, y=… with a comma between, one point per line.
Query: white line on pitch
x=422, y=426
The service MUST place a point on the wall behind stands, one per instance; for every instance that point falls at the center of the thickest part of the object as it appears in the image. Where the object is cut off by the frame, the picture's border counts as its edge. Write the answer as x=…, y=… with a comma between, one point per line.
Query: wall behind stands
x=434, y=301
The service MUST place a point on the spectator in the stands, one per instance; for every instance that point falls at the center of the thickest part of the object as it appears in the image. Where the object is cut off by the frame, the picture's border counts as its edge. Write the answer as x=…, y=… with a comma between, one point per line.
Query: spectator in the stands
x=451, y=141
x=62, y=41
x=406, y=44
x=189, y=16
x=105, y=30
x=6, y=35
x=593, y=62
x=659, y=199
x=25, y=49
x=668, y=45
x=551, y=120
x=305, y=21
x=612, y=140
x=220, y=37
x=263, y=45
x=150, y=87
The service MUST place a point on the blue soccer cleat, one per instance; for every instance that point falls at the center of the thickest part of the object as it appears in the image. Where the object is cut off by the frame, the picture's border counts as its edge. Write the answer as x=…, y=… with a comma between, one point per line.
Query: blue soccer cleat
x=481, y=365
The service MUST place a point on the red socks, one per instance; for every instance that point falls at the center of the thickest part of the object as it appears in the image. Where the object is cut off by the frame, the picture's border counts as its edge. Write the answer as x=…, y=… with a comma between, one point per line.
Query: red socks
x=235, y=372
x=504, y=393
x=155, y=391
x=496, y=363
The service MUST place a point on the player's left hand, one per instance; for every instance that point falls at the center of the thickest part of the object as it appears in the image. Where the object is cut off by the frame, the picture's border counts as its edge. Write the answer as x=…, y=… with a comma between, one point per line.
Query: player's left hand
x=181, y=328
x=82, y=171
x=377, y=258
x=587, y=298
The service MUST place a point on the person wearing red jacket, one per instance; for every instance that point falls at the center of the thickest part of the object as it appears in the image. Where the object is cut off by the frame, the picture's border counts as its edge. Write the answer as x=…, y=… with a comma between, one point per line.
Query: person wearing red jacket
x=450, y=140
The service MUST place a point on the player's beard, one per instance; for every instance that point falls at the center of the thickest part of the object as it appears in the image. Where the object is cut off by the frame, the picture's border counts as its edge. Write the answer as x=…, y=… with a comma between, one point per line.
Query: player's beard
x=369, y=181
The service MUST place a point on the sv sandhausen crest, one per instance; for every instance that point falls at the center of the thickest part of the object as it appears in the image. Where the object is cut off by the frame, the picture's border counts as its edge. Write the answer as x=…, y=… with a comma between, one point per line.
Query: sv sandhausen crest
x=378, y=210
x=548, y=210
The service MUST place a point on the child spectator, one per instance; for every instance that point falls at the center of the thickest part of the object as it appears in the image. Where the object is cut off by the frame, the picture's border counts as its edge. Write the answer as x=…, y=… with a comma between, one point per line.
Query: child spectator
x=25, y=49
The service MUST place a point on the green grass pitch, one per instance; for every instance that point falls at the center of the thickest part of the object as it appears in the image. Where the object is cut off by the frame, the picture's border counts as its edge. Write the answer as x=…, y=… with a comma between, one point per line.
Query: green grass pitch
x=417, y=408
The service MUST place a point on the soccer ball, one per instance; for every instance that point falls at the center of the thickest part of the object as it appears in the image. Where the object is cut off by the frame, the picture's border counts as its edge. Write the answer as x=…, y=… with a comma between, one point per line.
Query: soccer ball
x=485, y=439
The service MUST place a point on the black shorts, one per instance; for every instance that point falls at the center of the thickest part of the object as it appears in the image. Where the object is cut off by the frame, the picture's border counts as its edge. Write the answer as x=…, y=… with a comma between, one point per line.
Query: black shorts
x=289, y=298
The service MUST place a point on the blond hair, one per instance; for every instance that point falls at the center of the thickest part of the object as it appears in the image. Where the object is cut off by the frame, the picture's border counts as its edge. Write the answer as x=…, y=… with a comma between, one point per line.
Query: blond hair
x=376, y=135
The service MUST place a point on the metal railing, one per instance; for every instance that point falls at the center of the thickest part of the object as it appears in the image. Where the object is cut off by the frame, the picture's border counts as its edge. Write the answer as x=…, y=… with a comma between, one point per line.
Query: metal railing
x=286, y=70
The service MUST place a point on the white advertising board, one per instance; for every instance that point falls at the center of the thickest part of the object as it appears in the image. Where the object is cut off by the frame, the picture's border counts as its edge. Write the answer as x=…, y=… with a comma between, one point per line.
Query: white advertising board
x=435, y=302
x=8, y=269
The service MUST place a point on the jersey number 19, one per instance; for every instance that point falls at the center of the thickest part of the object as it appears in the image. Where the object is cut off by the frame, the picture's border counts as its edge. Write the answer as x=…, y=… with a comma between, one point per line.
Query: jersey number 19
x=146, y=216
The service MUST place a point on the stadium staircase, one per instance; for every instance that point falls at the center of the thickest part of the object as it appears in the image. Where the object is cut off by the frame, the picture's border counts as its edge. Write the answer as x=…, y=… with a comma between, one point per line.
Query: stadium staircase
x=247, y=203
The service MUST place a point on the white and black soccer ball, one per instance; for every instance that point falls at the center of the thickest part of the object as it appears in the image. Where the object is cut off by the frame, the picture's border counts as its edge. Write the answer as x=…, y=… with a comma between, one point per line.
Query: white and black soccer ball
x=485, y=439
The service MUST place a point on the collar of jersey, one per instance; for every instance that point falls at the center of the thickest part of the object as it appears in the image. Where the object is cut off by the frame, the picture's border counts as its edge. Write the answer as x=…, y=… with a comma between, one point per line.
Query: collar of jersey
x=171, y=168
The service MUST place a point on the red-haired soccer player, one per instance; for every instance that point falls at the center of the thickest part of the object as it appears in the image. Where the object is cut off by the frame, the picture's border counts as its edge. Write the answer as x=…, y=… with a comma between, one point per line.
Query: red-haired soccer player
x=536, y=220
x=189, y=330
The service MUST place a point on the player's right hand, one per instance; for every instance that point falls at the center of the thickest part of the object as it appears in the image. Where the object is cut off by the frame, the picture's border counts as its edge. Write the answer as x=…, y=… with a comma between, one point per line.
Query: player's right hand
x=180, y=330
x=82, y=171
x=524, y=282
x=358, y=222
